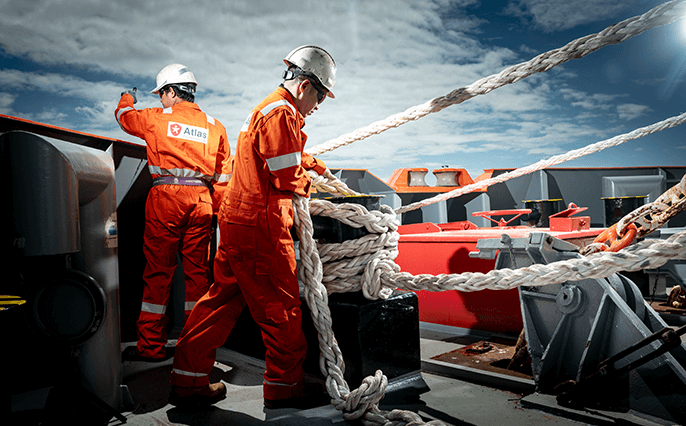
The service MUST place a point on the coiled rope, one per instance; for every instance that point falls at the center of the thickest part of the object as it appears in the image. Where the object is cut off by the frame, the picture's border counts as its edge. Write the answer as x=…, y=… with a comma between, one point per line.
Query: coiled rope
x=374, y=271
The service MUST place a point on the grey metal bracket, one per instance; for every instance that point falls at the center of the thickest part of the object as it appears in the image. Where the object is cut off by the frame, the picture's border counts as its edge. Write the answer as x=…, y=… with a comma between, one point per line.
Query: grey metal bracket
x=571, y=328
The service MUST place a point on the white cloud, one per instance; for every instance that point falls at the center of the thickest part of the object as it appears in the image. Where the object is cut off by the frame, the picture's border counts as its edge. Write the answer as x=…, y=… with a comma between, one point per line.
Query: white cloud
x=6, y=101
x=59, y=84
x=558, y=15
x=590, y=101
x=631, y=111
x=391, y=56
x=235, y=51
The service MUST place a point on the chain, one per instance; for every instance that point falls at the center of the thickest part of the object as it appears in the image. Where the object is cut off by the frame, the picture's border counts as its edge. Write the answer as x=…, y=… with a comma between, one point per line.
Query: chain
x=643, y=220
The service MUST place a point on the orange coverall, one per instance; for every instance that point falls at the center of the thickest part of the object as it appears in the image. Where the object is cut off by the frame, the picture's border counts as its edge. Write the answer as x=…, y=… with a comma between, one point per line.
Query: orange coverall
x=183, y=142
x=257, y=265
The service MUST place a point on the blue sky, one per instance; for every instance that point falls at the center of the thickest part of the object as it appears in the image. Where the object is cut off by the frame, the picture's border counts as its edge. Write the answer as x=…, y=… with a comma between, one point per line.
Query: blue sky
x=65, y=63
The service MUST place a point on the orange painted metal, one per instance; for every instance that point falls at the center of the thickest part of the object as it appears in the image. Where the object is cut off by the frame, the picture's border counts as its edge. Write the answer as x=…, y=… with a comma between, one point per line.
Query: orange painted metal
x=401, y=180
x=611, y=240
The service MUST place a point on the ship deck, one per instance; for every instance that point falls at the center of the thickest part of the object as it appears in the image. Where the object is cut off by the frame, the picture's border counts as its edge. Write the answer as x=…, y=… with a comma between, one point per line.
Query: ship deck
x=459, y=394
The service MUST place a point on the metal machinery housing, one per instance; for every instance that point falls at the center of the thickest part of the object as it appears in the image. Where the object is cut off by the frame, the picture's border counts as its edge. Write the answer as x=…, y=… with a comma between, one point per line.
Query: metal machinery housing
x=595, y=343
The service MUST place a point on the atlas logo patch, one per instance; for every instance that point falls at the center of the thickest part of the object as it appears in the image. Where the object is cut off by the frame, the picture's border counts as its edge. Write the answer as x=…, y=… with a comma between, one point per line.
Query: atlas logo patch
x=184, y=131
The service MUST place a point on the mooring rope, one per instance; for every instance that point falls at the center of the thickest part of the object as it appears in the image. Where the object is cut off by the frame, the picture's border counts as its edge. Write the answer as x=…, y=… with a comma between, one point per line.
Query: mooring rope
x=663, y=14
x=373, y=270
x=369, y=267
x=552, y=161
x=329, y=183
x=361, y=403
x=647, y=254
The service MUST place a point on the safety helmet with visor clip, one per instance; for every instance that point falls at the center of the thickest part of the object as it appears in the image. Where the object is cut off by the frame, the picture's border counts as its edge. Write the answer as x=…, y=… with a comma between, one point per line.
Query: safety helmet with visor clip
x=175, y=75
x=315, y=63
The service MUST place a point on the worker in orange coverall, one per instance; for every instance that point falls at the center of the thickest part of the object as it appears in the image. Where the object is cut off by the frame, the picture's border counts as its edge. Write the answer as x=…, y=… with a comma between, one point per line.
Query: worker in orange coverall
x=188, y=158
x=257, y=265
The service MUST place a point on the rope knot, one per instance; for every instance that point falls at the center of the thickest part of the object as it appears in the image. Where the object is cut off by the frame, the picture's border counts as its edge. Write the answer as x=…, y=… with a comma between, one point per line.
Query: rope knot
x=372, y=286
x=366, y=397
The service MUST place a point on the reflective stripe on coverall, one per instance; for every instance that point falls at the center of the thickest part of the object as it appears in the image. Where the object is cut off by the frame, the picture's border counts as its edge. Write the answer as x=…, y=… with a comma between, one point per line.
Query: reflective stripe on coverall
x=257, y=265
x=180, y=141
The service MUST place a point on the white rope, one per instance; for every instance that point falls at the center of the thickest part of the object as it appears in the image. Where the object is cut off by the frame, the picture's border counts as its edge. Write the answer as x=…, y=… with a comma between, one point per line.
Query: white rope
x=660, y=15
x=327, y=182
x=348, y=265
x=372, y=269
x=647, y=254
x=361, y=403
x=552, y=161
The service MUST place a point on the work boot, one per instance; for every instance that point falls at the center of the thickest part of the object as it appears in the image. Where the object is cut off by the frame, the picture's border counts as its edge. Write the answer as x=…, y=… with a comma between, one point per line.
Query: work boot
x=204, y=395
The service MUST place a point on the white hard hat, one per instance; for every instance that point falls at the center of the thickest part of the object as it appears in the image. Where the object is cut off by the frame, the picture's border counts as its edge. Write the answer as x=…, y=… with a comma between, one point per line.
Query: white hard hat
x=316, y=61
x=174, y=74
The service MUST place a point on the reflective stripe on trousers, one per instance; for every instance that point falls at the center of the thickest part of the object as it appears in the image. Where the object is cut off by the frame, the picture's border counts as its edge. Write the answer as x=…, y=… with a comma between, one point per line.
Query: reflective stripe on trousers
x=265, y=280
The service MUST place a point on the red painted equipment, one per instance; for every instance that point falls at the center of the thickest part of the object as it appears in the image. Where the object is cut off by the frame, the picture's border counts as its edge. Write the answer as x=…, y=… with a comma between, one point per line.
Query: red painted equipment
x=435, y=249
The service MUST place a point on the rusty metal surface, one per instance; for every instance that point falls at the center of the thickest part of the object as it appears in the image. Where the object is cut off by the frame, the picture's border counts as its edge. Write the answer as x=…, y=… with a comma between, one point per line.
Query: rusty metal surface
x=666, y=307
x=492, y=355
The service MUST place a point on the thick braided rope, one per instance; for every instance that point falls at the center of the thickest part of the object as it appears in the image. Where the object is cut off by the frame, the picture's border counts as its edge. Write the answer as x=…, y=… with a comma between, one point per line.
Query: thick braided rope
x=357, y=265
x=660, y=15
x=310, y=271
x=647, y=254
x=380, y=276
x=327, y=182
x=361, y=403
x=355, y=215
x=552, y=161
x=370, y=243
